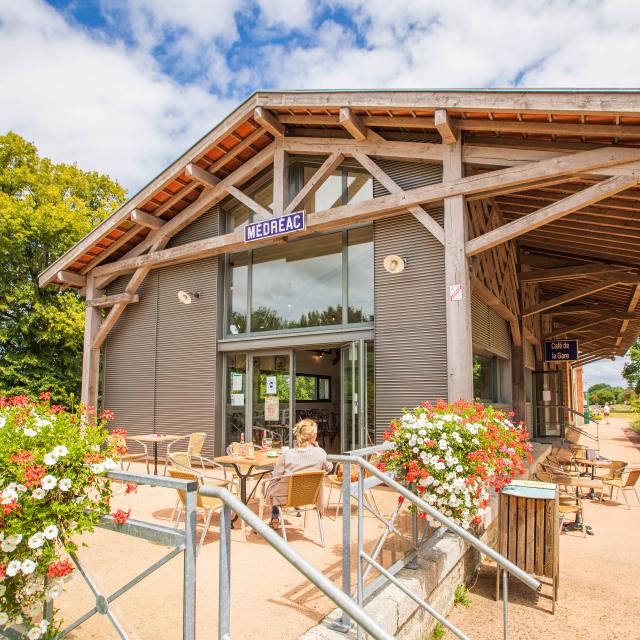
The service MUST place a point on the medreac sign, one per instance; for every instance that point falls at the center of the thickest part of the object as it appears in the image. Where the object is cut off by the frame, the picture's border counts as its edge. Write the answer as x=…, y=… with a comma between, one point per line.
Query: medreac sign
x=280, y=226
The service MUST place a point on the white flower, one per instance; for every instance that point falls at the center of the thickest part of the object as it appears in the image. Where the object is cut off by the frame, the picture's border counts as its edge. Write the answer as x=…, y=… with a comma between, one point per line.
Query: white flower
x=51, y=532
x=60, y=451
x=54, y=592
x=34, y=633
x=97, y=468
x=9, y=495
x=30, y=432
x=9, y=544
x=64, y=484
x=21, y=488
x=4, y=618
x=49, y=482
x=50, y=459
x=459, y=468
x=32, y=587
x=43, y=422
x=13, y=567
x=28, y=567
x=36, y=540
x=38, y=493
x=3, y=421
x=109, y=464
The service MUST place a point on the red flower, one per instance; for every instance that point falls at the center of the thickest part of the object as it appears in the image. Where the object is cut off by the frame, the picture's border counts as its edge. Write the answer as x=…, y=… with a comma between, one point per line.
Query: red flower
x=411, y=476
x=56, y=408
x=19, y=401
x=423, y=473
x=106, y=414
x=59, y=569
x=22, y=457
x=46, y=396
x=132, y=487
x=9, y=507
x=477, y=520
x=119, y=431
x=3, y=571
x=426, y=405
x=33, y=475
x=3, y=401
x=93, y=458
x=120, y=516
x=386, y=435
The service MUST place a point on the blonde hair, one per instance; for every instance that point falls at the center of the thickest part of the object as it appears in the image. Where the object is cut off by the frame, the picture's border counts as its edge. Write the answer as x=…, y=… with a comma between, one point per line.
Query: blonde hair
x=304, y=431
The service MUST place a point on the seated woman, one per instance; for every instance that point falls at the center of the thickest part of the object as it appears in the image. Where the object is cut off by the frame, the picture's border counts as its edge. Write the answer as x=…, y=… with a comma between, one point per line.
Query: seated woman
x=307, y=455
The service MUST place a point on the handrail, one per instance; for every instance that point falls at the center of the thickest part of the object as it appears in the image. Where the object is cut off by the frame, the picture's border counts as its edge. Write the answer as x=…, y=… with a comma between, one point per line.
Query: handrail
x=582, y=415
x=323, y=583
x=507, y=565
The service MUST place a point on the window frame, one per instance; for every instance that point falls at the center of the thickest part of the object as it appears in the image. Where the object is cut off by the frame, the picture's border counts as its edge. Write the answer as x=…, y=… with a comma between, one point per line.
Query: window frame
x=317, y=377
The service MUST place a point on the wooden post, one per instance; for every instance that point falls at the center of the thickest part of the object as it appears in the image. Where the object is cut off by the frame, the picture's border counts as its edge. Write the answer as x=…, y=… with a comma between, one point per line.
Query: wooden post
x=280, y=179
x=518, y=390
x=457, y=287
x=90, y=355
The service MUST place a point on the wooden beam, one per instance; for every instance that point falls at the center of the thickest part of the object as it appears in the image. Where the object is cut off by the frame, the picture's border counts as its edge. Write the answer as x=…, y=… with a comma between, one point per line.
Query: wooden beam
x=249, y=202
x=579, y=293
x=550, y=213
x=118, y=308
x=146, y=219
x=392, y=187
x=576, y=327
x=269, y=122
x=565, y=273
x=445, y=126
x=280, y=179
x=112, y=248
x=633, y=303
x=339, y=217
x=458, y=307
x=71, y=278
x=491, y=300
x=90, y=353
x=200, y=175
x=109, y=301
x=353, y=124
x=234, y=151
x=530, y=337
x=316, y=181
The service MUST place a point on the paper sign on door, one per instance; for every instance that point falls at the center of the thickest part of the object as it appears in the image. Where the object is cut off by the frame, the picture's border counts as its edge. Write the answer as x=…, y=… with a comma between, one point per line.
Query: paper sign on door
x=272, y=408
x=272, y=385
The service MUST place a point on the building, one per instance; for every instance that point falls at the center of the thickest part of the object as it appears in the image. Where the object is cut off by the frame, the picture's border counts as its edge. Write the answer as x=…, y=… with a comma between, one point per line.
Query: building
x=447, y=235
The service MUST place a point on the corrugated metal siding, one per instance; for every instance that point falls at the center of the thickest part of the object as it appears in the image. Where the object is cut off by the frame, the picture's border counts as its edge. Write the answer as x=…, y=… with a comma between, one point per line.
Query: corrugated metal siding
x=410, y=322
x=489, y=331
x=129, y=361
x=186, y=350
x=205, y=226
x=529, y=355
x=528, y=416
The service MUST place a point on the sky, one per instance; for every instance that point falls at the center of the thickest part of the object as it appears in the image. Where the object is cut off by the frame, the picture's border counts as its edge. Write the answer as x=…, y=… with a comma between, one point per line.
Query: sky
x=126, y=86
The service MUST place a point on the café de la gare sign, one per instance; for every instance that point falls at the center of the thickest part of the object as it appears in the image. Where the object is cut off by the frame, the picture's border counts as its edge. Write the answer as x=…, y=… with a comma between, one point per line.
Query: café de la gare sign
x=279, y=226
x=561, y=350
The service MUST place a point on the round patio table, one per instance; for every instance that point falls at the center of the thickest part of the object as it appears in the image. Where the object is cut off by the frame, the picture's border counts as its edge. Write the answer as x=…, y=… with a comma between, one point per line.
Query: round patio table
x=154, y=438
x=600, y=464
x=578, y=482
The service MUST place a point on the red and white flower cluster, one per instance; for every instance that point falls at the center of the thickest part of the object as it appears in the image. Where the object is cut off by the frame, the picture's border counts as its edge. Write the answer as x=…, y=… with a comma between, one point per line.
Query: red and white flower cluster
x=453, y=455
x=52, y=487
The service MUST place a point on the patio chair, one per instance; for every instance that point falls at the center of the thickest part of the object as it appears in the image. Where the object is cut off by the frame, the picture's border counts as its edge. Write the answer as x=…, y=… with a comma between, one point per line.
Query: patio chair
x=623, y=485
x=194, y=448
x=304, y=491
x=121, y=441
x=567, y=502
x=205, y=504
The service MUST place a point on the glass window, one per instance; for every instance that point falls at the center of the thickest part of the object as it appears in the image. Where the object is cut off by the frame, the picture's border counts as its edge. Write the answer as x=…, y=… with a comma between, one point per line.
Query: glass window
x=239, y=214
x=359, y=186
x=484, y=378
x=360, y=274
x=298, y=284
x=329, y=194
x=237, y=292
x=236, y=397
x=312, y=388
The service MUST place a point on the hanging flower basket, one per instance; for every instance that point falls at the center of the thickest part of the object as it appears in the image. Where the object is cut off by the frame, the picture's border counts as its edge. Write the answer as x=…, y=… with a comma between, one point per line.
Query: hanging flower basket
x=52, y=487
x=452, y=455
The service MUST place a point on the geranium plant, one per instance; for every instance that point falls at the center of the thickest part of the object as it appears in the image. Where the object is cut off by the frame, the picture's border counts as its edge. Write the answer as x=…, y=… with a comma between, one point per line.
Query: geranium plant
x=52, y=487
x=452, y=455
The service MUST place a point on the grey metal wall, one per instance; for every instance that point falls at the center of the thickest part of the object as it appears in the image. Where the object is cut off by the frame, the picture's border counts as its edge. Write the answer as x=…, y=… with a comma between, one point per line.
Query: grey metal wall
x=410, y=320
x=490, y=332
x=160, y=362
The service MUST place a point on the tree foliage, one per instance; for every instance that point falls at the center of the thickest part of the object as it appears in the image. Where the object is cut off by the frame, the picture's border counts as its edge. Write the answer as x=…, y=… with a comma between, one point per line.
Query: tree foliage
x=631, y=371
x=45, y=208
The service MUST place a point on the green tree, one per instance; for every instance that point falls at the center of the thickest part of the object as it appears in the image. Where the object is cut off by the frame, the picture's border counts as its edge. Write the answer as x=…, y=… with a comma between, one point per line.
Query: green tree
x=631, y=370
x=44, y=209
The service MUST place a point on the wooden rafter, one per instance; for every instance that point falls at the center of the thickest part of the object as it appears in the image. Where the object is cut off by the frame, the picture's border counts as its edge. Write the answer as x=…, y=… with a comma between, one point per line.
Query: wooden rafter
x=445, y=126
x=71, y=278
x=561, y=331
x=393, y=187
x=353, y=124
x=549, y=214
x=109, y=301
x=145, y=219
x=567, y=273
x=113, y=247
x=269, y=122
x=249, y=202
x=200, y=175
x=633, y=303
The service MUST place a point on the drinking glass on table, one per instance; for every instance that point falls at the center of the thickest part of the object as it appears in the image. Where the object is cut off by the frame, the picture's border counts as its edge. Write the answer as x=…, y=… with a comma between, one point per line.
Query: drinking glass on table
x=268, y=442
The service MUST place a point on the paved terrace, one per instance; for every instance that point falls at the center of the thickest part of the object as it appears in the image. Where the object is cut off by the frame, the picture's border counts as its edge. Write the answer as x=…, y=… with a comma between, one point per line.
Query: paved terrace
x=599, y=574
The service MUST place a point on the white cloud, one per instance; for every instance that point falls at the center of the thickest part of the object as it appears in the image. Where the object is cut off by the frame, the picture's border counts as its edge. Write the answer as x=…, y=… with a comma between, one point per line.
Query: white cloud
x=608, y=371
x=96, y=103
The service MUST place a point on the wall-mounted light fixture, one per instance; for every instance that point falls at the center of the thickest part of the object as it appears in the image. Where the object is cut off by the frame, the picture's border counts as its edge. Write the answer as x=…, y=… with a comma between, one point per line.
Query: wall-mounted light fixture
x=394, y=264
x=187, y=298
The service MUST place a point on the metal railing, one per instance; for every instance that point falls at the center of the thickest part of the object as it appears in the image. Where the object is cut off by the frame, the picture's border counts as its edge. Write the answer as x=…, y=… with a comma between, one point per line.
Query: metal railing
x=359, y=488
x=181, y=541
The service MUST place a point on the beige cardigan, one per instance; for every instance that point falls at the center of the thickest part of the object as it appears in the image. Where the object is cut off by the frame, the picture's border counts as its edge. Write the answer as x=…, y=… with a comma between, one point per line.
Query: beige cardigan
x=308, y=458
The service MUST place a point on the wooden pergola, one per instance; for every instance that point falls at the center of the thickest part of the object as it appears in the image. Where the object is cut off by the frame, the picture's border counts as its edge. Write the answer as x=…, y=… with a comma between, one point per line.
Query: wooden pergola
x=540, y=193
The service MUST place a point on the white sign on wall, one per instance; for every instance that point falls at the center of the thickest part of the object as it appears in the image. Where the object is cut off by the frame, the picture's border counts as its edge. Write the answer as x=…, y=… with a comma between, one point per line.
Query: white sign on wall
x=272, y=385
x=455, y=292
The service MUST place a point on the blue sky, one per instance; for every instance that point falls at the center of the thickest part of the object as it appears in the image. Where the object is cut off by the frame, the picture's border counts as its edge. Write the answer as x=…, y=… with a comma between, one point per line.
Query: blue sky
x=125, y=86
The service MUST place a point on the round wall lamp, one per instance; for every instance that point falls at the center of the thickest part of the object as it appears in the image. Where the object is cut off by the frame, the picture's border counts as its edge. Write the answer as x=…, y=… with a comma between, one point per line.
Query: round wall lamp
x=187, y=298
x=394, y=264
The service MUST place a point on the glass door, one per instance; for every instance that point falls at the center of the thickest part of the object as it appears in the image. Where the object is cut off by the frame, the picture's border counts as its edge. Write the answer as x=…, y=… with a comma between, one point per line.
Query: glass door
x=271, y=398
x=357, y=393
x=550, y=409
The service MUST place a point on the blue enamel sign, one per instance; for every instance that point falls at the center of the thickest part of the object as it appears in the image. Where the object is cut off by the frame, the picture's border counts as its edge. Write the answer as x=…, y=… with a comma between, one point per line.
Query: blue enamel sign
x=560, y=350
x=280, y=226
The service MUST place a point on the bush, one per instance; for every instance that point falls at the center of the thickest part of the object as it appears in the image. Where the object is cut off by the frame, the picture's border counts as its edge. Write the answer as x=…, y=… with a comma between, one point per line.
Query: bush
x=453, y=454
x=52, y=487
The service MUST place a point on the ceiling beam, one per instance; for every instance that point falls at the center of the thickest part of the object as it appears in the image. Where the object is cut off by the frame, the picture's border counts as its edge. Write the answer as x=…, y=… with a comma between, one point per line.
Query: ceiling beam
x=445, y=126
x=146, y=219
x=561, y=331
x=109, y=301
x=71, y=278
x=269, y=122
x=353, y=124
x=565, y=273
x=202, y=176
x=633, y=303
x=550, y=213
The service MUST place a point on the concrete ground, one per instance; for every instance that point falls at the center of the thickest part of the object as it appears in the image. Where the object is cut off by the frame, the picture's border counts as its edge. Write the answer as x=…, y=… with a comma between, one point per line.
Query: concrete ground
x=599, y=575
x=270, y=599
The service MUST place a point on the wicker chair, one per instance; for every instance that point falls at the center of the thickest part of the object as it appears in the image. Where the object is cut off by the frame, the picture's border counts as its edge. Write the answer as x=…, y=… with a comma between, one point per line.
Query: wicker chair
x=194, y=448
x=304, y=491
x=622, y=485
x=121, y=441
x=207, y=505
